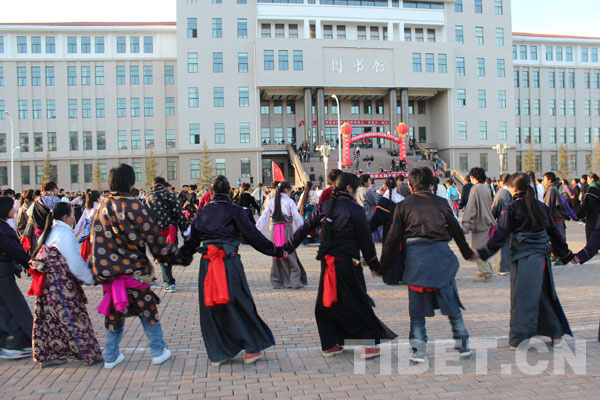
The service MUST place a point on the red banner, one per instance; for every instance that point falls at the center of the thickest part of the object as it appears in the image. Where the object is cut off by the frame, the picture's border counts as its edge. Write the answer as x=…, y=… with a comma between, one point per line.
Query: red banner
x=402, y=147
x=385, y=175
x=334, y=122
x=277, y=174
x=379, y=135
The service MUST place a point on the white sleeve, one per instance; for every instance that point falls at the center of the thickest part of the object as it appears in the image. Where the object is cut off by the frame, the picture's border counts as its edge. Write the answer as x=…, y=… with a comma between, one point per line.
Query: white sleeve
x=262, y=221
x=295, y=214
x=70, y=251
x=80, y=225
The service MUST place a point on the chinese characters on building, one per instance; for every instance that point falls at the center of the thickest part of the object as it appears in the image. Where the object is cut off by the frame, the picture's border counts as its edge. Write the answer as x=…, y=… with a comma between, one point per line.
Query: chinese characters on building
x=376, y=66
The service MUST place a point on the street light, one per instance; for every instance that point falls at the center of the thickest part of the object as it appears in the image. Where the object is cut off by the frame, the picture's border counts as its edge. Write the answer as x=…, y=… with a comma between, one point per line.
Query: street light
x=12, y=152
x=325, y=150
x=333, y=96
x=501, y=149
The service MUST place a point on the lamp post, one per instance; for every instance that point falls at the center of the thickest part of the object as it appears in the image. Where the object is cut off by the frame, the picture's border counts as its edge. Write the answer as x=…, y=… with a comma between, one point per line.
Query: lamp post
x=333, y=96
x=325, y=150
x=501, y=150
x=12, y=151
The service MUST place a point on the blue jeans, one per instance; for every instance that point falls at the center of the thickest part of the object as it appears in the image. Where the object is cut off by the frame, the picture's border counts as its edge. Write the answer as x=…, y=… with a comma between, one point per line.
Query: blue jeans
x=153, y=333
x=418, y=332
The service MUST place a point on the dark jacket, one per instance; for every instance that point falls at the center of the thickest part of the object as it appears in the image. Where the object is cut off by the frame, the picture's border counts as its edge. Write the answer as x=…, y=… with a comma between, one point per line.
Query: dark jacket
x=11, y=251
x=501, y=201
x=464, y=198
x=165, y=209
x=553, y=201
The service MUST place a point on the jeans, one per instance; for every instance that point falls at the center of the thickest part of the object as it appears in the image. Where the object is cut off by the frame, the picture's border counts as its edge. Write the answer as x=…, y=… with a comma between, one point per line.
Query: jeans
x=153, y=333
x=167, y=273
x=418, y=332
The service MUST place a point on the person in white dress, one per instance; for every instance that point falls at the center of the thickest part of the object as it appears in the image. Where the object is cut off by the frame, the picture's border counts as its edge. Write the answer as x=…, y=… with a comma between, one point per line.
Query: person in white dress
x=285, y=272
x=85, y=222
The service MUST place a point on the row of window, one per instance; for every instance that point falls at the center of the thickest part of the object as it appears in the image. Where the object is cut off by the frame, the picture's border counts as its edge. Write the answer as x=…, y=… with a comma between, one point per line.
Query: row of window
x=82, y=45
x=527, y=107
x=556, y=79
x=555, y=135
x=429, y=62
x=479, y=35
x=478, y=6
x=537, y=162
x=283, y=60
x=554, y=53
x=219, y=133
x=369, y=107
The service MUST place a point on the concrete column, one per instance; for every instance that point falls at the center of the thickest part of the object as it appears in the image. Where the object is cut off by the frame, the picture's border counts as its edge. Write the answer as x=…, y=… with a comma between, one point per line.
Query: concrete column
x=320, y=116
x=319, y=29
x=306, y=29
x=404, y=101
x=393, y=114
x=307, y=114
x=390, y=29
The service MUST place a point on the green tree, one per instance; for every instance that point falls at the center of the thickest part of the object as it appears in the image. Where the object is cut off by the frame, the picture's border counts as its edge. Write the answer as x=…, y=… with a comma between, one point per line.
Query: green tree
x=48, y=170
x=529, y=159
x=151, y=168
x=97, y=177
x=207, y=170
x=563, y=163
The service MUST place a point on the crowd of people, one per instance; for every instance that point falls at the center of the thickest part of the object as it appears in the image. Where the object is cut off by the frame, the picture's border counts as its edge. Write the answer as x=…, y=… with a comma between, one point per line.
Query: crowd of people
x=64, y=242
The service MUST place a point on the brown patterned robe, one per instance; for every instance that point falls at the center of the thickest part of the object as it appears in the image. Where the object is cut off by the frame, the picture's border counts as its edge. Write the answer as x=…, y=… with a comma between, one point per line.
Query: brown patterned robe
x=121, y=230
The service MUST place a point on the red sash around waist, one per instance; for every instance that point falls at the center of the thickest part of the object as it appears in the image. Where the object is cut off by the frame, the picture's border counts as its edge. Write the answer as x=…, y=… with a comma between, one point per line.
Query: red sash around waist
x=330, y=282
x=216, y=290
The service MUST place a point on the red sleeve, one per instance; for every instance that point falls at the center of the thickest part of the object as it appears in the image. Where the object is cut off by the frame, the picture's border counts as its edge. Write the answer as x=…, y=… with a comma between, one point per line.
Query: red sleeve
x=326, y=195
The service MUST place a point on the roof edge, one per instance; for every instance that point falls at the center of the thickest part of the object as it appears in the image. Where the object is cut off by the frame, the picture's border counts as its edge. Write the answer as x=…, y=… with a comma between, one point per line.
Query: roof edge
x=549, y=35
x=167, y=23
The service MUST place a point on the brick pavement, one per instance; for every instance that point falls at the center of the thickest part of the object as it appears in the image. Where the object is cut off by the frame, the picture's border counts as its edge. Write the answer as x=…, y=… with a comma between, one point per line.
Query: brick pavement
x=294, y=367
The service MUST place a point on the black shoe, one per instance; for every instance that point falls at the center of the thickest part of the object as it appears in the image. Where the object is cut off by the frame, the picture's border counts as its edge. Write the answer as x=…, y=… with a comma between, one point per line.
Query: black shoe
x=462, y=346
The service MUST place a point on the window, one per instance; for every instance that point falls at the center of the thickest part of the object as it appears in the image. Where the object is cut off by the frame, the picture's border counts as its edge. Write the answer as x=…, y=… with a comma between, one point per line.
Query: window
x=36, y=44
x=533, y=54
x=525, y=80
x=242, y=62
x=136, y=140
x=483, y=161
x=87, y=140
x=101, y=140
x=265, y=135
x=596, y=108
x=501, y=98
x=99, y=75
x=549, y=53
x=552, y=108
x=462, y=130
x=193, y=100
x=218, y=97
x=85, y=75
x=572, y=135
x=122, y=140
x=50, y=45
x=265, y=30
x=264, y=107
x=514, y=51
x=242, y=28
x=87, y=173
x=86, y=44
x=478, y=7
x=244, y=97
x=499, y=36
x=561, y=107
x=99, y=42
x=341, y=32
x=22, y=44
x=148, y=44
x=269, y=60
x=551, y=80
x=458, y=29
x=290, y=108
x=24, y=142
x=462, y=97
x=572, y=107
x=50, y=108
x=244, y=132
x=278, y=135
x=568, y=54
x=571, y=80
x=500, y=67
x=22, y=76
x=73, y=141
x=586, y=80
x=361, y=32
x=86, y=108
x=460, y=66
x=192, y=62
x=481, y=98
x=137, y=170
x=25, y=175
x=588, y=135
x=74, y=173
x=220, y=166
x=169, y=106
x=219, y=133
x=149, y=139
x=559, y=53
x=148, y=106
x=481, y=67
x=431, y=35
x=2, y=142
x=517, y=107
x=121, y=44
x=561, y=80
x=355, y=107
x=134, y=44
x=502, y=130
x=170, y=138
x=442, y=63
x=594, y=54
x=195, y=169
x=134, y=75
x=217, y=62
x=72, y=108
x=483, y=130
x=23, y=111
x=217, y=27
x=147, y=74
x=36, y=76
x=134, y=105
x=367, y=107
x=37, y=109
x=552, y=135
x=536, y=106
x=498, y=9
x=479, y=35
x=464, y=162
x=535, y=79
x=458, y=6
x=298, y=60
x=563, y=135
x=121, y=75
x=169, y=75
x=2, y=109
x=584, y=54
x=526, y=107
x=277, y=107
x=194, y=133
x=416, y=62
x=171, y=170
x=192, y=27
x=283, y=60
x=375, y=33
x=121, y=107
x=523, y=52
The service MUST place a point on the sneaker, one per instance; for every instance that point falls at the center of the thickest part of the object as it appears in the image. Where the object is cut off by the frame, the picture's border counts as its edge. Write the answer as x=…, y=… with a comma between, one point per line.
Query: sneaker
x=111, y=365
x=462, y=346
x=556, y=343
x=418, y=356
x=219, y=363
x=334, y=351
x=14, y=354
x=501, y=273
x=482, y=278
x=170, y=288
x=166, y=354
x=370, y=352
x=251, y=358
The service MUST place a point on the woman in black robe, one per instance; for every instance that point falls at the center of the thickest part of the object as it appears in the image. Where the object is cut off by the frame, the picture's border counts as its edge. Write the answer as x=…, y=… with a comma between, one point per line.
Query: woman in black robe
x=344, y=310
x=534, y=306
x=248, y=203
x=228, y=316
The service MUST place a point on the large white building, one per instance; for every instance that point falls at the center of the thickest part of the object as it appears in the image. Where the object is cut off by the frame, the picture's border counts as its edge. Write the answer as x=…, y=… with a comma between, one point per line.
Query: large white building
x=246, y=76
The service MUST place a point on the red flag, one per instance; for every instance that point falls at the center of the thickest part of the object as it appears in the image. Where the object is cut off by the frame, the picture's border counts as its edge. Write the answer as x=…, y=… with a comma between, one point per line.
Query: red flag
x=277, y=174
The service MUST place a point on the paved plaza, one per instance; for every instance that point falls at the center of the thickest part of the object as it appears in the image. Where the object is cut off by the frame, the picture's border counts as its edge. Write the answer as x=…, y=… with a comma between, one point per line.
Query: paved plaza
x=294, y=368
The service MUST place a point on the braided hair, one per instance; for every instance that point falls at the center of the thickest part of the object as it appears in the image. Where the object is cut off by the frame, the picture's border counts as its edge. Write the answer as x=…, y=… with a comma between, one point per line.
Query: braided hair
x=277, y=214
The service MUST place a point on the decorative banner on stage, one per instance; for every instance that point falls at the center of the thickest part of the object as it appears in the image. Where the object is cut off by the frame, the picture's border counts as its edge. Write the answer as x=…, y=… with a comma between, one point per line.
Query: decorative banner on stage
x=346, y=131
x=277, y=174
x=385, y=175
x=334, y=122
x=402, y=130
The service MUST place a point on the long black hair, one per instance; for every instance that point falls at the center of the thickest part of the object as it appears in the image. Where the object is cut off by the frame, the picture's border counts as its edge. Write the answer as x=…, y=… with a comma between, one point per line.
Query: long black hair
x=304, y=198
x=91, y=198
x=277, y=214
x=6, y=204
x=520, y=181
x=531, y=176
x=59, y=211
x=390, y=183
x=343, y=181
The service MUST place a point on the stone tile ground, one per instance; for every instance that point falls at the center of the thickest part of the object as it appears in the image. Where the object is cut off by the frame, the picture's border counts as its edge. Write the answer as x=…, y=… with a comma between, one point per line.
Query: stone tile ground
x=294, y=367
